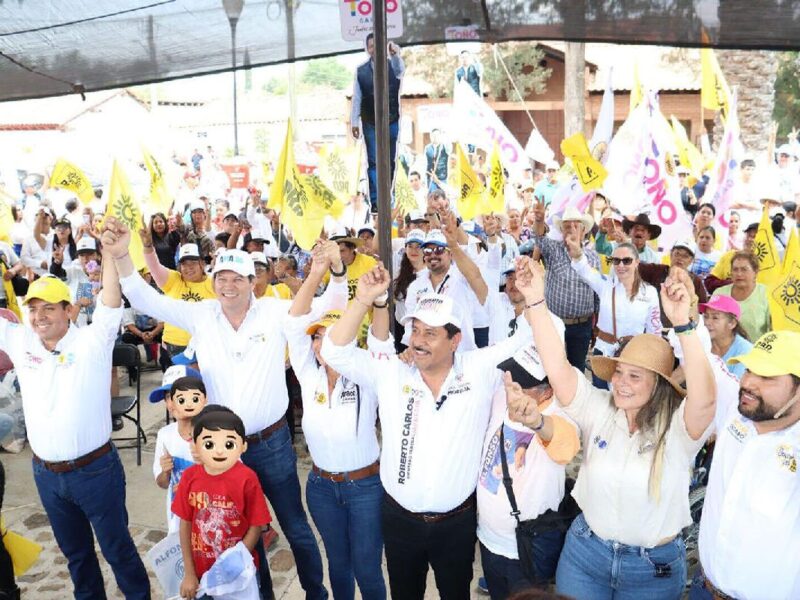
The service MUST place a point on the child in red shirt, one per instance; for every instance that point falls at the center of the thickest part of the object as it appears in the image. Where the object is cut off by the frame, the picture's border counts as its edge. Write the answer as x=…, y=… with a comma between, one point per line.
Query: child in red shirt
x=219, y=501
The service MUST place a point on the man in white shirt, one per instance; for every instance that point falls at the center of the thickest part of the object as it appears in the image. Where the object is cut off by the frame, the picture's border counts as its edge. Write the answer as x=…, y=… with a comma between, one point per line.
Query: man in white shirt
x=240, y=347
x=433, y=413
x=750, y=529
x=65, y=377
x=461, y=281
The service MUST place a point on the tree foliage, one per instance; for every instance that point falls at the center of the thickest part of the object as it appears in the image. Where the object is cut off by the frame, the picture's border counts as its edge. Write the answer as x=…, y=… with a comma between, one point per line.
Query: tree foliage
x=787, y=93
x=326, y=72
x=433, y=65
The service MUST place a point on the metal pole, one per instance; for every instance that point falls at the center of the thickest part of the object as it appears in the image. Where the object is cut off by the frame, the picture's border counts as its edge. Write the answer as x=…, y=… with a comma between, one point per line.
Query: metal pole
x=382, y=141
x=233, y=23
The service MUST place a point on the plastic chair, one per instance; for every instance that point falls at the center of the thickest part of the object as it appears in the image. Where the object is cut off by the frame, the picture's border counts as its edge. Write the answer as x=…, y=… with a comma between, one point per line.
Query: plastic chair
x=127, y=355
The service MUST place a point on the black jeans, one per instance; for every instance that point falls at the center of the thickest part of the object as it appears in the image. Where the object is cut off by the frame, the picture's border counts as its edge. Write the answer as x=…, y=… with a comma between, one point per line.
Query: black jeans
x=7, y=583
x=577, y=339
x=412, y=544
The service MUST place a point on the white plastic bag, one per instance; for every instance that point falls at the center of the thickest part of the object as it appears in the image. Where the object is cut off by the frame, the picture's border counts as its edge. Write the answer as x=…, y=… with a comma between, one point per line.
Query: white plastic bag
x=167, y=562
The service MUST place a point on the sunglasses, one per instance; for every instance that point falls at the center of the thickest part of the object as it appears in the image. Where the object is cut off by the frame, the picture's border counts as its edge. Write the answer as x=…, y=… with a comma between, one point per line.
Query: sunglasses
x=437, y=250
x=628, y=260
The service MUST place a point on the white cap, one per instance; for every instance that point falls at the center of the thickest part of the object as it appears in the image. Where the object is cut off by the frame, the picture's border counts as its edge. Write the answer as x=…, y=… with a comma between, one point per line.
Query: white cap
x=237, y=261
x=364, y=228
x=259, y=257
x=552, y=164
x=86, y=244
x=435, y=310
x=196, y=205
x=681, y=170
x=415, y=236
x=230, y=213
x=685, y=244
x=416, y=216
x=188, y=251
x=435, y=237
x=786, y=149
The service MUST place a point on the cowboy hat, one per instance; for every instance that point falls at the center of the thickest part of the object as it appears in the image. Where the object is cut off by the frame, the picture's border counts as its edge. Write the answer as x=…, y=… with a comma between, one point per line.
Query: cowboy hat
x=341, y=234
x=645, y=350
x=573, y=214
x=641, y=219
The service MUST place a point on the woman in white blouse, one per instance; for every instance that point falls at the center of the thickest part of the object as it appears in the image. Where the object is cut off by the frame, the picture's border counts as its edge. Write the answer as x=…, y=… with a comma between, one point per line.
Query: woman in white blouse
x=628, y=305
x=639, y=443
x=344, y=491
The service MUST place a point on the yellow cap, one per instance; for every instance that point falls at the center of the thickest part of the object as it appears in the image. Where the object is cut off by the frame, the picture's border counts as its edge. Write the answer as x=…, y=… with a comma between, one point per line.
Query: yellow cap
x=328, y=319
x=49, y=289
x=774, y=354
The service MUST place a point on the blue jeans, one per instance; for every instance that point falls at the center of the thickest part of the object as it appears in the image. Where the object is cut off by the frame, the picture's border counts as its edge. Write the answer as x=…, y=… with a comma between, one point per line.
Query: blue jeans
x=698, y=590
x=275, y=463
x=93, y=497
x=372, y=153
x=591, y=567
x=348, y=517
x=577, y=338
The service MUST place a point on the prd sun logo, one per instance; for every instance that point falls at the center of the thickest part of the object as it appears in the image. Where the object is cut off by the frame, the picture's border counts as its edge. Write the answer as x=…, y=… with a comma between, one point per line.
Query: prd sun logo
x=126, y=211
x=790, y=291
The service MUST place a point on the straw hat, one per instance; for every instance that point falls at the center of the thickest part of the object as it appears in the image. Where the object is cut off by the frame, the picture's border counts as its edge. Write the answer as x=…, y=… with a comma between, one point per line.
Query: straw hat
x=573, y=214
x=647, y=351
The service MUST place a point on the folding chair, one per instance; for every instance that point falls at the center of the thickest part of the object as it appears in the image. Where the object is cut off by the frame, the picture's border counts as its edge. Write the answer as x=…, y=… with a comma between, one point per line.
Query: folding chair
x=127, y=355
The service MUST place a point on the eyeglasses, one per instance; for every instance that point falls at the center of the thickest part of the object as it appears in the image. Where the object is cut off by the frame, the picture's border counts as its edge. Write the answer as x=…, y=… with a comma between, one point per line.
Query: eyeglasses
x=628, y=260
x=438, y=250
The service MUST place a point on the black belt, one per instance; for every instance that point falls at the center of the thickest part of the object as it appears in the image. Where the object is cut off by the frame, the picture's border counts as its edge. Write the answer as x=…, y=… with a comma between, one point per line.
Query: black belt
x=432, y=517
x=65, y=466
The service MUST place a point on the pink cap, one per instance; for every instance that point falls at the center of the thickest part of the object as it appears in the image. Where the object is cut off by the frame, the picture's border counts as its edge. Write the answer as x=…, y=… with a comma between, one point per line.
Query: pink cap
x=722, y=303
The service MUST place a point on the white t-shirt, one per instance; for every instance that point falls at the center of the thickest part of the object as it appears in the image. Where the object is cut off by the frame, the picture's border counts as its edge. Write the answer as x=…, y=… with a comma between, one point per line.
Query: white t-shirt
x=612, y=487
x=170, y=440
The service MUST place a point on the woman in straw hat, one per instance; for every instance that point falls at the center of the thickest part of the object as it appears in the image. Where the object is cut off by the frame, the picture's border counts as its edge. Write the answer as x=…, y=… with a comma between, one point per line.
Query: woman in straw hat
x=639, y=442
x=344, y=492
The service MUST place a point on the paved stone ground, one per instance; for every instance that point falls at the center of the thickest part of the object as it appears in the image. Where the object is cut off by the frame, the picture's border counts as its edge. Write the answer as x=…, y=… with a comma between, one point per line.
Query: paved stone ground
x=49, y=579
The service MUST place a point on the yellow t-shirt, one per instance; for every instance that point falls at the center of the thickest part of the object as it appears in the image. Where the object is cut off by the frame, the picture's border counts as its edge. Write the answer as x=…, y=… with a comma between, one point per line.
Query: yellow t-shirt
x=361, y=264
x=278, y=290
x=722, y=270
x=176, y=287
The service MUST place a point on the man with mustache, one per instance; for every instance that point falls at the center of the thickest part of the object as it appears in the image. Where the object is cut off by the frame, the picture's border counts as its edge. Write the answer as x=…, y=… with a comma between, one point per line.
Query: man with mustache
x=434, y=413
x=750, y=529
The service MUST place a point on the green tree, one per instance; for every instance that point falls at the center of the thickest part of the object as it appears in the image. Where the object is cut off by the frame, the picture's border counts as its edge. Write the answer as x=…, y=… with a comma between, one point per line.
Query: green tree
x=276, y=86
x=787, y=93
x=326, y=72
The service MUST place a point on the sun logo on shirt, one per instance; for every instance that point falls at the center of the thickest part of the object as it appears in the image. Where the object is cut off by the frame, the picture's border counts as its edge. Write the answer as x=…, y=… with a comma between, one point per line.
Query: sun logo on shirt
x=191, y=297
x=320, y=398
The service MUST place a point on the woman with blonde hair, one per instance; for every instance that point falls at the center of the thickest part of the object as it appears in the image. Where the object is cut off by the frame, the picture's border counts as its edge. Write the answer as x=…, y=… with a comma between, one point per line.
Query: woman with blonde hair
x=639, y=442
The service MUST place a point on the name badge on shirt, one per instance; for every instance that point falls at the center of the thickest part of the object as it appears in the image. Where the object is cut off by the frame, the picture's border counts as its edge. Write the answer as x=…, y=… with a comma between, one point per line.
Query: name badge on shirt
x=738, y=430
x=258, y=338
x=787, y=458
x=32, y=361
x=65, y=360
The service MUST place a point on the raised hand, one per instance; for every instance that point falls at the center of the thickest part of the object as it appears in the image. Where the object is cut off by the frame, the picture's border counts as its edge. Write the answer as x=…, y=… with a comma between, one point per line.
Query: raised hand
x=530, y=279
x=676, y=296
x=538, y=209
x=332, y=254
x=372, y=284
x=146, y=235
x=116, y=237
x=58, y=255
x=450, y=229
x=166, y=462
x=573, y=244
x=319, y=261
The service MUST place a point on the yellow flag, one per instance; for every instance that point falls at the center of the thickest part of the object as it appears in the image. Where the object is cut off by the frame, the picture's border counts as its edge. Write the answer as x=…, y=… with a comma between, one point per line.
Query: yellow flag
x=590, y=171
x=688, y=153
x=122, y=205
x=69, y=177
x=339, y=170
x=636, y=89
x=470, y=188
x=160, y=197
x=303, y=201
x=784, y=296
x=714, y=93
x=769, y=264
x=404, y=198
x=495, y=193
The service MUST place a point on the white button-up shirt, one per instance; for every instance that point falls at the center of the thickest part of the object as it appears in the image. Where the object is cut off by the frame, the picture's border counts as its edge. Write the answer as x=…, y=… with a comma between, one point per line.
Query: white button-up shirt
x=750, y=529
x=340, y=427
x=612, y=487
x=454, y=285
x=66, y=394
x=243, y=368
x=640, y=315
x=431, y=446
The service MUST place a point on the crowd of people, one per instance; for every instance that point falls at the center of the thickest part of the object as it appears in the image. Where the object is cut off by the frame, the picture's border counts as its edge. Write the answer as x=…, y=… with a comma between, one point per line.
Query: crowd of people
x=521, y=341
